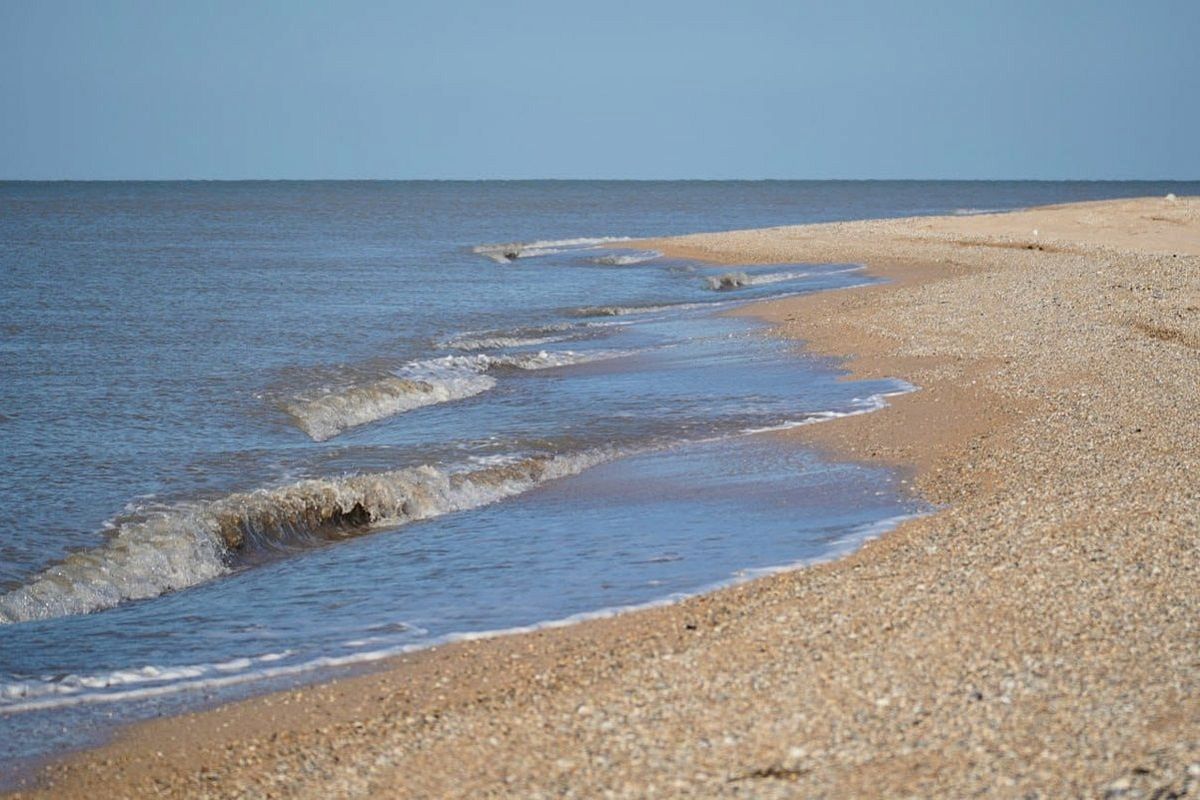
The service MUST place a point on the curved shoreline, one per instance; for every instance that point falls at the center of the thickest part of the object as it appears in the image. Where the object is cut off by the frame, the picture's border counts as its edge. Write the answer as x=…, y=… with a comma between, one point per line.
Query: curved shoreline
x=1037, y=635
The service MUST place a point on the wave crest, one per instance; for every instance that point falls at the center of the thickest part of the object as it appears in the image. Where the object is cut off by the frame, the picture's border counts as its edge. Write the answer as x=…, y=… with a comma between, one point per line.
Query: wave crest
x=191, y=543
x=739, y=280
x=424, y=383
x=623, y=311
x=514, y=337
x=328, y=415
x=627, y=259
x=508, y=252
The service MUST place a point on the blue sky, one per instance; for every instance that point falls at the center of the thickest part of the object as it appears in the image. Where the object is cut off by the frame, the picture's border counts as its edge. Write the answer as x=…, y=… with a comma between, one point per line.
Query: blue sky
x=750, y=89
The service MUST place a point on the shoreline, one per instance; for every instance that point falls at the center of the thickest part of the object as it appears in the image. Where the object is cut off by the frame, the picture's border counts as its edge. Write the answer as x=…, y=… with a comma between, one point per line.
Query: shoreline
x=928, y=661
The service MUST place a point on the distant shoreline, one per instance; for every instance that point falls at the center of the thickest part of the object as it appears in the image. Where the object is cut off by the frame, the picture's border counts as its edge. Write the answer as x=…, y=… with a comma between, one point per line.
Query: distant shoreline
x=1038, y=634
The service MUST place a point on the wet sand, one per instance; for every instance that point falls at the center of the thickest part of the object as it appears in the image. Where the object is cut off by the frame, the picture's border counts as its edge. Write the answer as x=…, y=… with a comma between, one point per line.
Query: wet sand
x=1037, y=637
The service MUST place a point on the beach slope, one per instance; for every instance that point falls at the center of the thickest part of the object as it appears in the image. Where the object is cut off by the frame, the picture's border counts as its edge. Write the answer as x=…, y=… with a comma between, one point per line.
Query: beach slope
x=1038, y=636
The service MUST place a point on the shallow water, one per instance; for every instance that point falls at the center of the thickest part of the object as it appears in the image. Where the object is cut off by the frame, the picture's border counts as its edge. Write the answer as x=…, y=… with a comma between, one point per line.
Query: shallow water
x=256, y=430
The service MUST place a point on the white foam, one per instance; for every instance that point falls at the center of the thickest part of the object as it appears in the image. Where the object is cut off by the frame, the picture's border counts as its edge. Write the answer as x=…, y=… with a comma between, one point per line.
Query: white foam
x=514, y=337
x=711, y=305
x=14, y=696
x=328, y=415
x=865, y=405
x=627, y=259
x=411, y=494
x=738, y=280
x=419, y=384
x=499, y=342
x=201, y=679
x=166, y=551
x=505, y=253
x=188, y=544
x=550, y=359
x=622, y=311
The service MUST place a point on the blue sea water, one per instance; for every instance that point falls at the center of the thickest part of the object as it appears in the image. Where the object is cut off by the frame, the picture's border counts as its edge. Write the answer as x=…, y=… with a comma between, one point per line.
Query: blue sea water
x=253, y=432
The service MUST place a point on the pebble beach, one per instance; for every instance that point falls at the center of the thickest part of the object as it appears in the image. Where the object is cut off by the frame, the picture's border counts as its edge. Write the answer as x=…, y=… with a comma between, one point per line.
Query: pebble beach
x=1038, y=635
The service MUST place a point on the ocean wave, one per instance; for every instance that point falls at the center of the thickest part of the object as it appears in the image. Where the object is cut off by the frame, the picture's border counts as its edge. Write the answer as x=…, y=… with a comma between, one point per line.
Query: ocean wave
x=513, y=337
x=507, y=252
x=550, y=359
x=29, y=696
x=718, y=283
x=622, y=311
x=627, y=259
x=419, y=384
x=190, y=543
x=740, y=280
x=499, y=341
x=328, y=415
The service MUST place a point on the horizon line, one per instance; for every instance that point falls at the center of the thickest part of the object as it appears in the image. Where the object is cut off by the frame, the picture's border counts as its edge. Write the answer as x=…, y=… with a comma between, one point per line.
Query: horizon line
x=600, y=180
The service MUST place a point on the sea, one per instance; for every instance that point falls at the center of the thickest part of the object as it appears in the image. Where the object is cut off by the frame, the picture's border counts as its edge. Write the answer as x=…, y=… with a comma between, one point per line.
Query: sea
x=264, y=433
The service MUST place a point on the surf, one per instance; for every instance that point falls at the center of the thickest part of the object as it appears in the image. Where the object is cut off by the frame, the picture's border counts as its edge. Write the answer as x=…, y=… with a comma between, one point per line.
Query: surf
x=506, y=253
x=418, y=384
x=740, y=280
x=190, y=543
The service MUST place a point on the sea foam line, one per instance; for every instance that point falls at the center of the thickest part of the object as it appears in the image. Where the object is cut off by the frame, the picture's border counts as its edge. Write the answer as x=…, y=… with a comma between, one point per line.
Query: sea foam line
x=507, y=252
x=738, y=280
x=867, y=405
x=531, y=336
x=627, y=259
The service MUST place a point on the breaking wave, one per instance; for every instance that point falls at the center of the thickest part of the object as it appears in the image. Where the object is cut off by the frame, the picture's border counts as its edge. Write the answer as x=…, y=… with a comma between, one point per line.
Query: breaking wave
x=971, y=212
x=506, y=253
x=627, y=259
x=328, y=415
x=739, y=280
x=622, y=311
x=730, y=280
x=549, y=359
x=151, y=681
x=190, y=543
x=421, y=383
x=518, y=337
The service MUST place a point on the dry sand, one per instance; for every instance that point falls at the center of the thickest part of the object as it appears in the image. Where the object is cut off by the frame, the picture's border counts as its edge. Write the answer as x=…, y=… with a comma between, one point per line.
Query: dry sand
x=1039, y=637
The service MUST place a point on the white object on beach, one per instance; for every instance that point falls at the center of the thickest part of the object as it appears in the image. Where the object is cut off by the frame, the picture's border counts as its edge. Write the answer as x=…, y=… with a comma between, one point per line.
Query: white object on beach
x=1170, y=197
x=1035, y=232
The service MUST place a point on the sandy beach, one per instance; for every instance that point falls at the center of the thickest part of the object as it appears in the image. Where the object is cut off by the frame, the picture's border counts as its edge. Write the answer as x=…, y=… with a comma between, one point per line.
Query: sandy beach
x=1037, y=636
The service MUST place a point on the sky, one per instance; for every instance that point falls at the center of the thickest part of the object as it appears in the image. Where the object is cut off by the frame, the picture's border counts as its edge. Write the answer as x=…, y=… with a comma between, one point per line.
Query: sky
x=152, y=89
